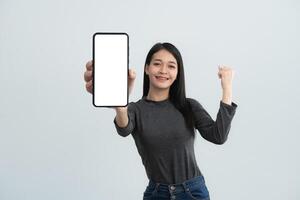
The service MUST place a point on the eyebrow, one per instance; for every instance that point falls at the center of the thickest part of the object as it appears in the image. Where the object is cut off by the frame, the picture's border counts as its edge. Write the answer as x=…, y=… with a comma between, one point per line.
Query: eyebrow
x=161, y=61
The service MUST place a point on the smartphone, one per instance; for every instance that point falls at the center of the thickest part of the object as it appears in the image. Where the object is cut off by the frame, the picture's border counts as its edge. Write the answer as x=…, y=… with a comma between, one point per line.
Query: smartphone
x=111, y=61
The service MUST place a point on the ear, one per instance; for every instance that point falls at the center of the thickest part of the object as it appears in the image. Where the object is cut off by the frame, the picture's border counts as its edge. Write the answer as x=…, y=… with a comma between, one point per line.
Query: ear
x=146, y=69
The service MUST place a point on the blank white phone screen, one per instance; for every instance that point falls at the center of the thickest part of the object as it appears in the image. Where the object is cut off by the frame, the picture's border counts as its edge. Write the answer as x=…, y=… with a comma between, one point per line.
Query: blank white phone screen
x=110, y=69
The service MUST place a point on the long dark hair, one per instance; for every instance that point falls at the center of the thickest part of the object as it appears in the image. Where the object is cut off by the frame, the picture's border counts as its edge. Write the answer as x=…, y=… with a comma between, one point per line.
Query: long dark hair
x=177, y=90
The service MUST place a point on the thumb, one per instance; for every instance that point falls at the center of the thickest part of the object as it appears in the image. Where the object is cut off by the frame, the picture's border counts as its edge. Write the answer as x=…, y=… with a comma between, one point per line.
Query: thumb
x=132, y=74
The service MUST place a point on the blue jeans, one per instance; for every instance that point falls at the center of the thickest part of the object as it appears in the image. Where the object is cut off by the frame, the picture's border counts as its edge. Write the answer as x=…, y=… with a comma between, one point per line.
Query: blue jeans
x=192, y=189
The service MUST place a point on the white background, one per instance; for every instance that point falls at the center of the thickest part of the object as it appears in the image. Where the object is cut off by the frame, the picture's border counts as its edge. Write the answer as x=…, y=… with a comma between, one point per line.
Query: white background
x=54, y=144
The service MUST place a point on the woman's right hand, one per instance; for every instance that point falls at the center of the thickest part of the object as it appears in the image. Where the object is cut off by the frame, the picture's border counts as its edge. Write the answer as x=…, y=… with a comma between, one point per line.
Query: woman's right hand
x=88, y=77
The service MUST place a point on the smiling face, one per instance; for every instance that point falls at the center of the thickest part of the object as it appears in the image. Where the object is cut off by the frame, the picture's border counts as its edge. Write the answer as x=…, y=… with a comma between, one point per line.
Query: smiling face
x=162, y=70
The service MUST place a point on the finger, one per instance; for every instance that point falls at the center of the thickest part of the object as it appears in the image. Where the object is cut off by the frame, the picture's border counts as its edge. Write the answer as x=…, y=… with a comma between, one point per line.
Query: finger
x=89, y=65
x=88, y=75
x=131, y=71
x=226, y=67
x=89, y=86
x=90, y=90
x=220, y=67
x=132, y=74
x=219, y=75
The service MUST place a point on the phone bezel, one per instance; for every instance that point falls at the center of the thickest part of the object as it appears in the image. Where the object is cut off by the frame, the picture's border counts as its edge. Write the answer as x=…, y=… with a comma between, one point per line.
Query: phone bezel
x=110, y=33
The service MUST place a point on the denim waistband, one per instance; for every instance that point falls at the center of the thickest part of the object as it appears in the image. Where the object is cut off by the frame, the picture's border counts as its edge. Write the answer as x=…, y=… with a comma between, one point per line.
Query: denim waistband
x=179, y=187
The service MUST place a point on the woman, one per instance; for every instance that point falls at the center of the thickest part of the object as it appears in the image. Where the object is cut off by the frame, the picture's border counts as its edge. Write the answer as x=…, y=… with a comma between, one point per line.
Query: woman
x=163, y=124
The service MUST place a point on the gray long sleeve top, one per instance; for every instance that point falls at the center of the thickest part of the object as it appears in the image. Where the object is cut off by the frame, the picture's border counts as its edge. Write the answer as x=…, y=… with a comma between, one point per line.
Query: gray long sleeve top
x=164, y=142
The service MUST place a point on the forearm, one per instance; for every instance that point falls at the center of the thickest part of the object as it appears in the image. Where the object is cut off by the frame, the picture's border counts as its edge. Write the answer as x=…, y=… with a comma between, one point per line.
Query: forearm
x=227, y=95
x=122, y=117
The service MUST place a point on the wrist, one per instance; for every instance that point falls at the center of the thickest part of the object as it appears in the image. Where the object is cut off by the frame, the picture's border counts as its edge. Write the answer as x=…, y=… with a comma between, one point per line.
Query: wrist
x=227, y=88
x=121, y=109
x=227, y=95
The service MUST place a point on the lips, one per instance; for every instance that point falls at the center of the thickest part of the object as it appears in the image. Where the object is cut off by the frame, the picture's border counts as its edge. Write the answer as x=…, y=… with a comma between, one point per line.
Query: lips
x=161, y=78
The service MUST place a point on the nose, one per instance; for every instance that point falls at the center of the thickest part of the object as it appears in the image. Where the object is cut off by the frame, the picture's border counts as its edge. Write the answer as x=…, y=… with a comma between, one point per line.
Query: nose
x=163, y=69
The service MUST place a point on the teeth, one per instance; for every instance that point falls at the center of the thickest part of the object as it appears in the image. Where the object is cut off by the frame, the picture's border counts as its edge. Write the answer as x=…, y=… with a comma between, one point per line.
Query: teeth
x=161, y=78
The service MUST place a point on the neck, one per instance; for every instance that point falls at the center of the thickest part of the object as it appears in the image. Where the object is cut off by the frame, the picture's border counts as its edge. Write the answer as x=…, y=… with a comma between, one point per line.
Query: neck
x=158, y=95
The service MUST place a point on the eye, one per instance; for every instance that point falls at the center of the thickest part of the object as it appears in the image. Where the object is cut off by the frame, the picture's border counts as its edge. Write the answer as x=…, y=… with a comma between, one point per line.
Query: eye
x=172, y=66
x=156, y=64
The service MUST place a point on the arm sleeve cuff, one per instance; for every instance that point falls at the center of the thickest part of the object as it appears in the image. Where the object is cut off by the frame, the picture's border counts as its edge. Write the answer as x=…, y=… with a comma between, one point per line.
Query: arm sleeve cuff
x=229, y=108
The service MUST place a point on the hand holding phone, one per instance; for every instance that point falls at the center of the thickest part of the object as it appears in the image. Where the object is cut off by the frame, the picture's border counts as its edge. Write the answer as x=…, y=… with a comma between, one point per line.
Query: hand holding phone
x=88, y=78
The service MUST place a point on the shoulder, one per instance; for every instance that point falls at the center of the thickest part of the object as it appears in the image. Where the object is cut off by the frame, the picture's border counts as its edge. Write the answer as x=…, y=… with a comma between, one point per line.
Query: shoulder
x=191, y=100
x=133, y=105
x=194, y=103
